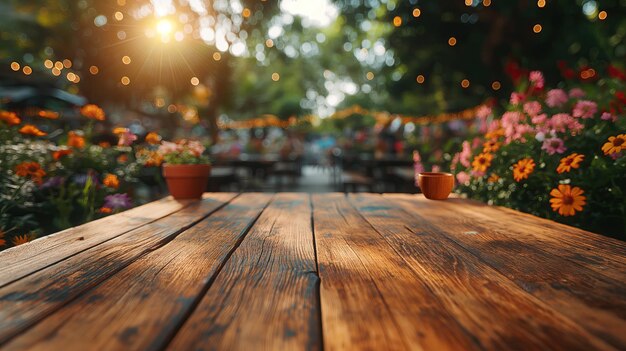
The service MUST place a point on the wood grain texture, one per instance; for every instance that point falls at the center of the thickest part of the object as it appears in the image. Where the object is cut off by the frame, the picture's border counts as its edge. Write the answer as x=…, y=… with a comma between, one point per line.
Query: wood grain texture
x=592, y=300
x=144, y=304
x=371, y=299
x=22, y=260
x=265, y=297
x=605, y=255
x=33, y=297
x=498, y=313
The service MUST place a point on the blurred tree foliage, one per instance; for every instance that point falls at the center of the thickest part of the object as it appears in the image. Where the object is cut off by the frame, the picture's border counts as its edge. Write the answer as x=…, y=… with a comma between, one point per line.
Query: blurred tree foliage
x=371, y=54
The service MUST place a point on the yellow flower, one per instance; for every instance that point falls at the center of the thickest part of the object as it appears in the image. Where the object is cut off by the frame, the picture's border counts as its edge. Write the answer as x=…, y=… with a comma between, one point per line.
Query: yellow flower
x=615, y=144
x=567, y=200
x=493, y=178
x=9, y=118
x=523, y=168
x=153, y=138
x=92, y=111
x=491, y=146
x=572, y=161
x=21, y=239
x=111, y=181
x=75, y=140
x=482, y=162
x=30, y=129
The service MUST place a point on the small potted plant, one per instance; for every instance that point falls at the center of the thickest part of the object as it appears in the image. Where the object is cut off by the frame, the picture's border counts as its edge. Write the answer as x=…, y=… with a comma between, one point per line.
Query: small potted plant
x=186, y=169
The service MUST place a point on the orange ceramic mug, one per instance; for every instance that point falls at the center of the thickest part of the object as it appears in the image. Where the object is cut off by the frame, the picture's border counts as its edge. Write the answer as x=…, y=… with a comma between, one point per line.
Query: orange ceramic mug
x=435, y=185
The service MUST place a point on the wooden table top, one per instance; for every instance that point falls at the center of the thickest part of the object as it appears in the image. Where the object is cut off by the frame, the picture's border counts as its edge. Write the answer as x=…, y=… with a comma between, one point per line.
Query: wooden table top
x=296, y=271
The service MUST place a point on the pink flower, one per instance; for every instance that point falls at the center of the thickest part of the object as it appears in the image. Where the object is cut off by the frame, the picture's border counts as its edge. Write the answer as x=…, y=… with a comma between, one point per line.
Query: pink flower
x=126, y=138
x=576, y=93
x=556, y=98
x=532, y=108
x=454, y=162
x=466, y=154
x=463, y=178
x=608, y=117
x=477, y=174
x=417, y=164
x=562, y=123
x=514, y=129
x=196, y=148
x=483, y=112
x=493, y=126
x=536, y=77
x=517, y=98
x=585, y=109
x=554, y=145
x=168, y=147
x=436, y=168
x=540, y=119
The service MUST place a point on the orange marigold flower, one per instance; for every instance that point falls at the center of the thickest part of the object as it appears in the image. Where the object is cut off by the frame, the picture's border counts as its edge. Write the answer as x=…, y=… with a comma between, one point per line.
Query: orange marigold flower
x=111, y=181
x=48, y=114
x=30, y=129
x=21, y=239
x=2, y=240
x=30, y=170
x=153, y=138
x=120, y=130
x=75, y=140
x=9, y=118
x=482, y=162
x=59, y=154
x=567, y=200
x=615, y=144
x=105, y=210
x=491, y=146
x=92, y=111
x=122, y=158
x=495, y=134
x=523, y=168
x=104, y=144
x=493, y=178
x=572, y=161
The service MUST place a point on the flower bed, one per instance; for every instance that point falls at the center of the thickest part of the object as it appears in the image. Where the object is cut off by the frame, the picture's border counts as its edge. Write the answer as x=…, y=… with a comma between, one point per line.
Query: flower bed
x=556, y=153
x=53, y=180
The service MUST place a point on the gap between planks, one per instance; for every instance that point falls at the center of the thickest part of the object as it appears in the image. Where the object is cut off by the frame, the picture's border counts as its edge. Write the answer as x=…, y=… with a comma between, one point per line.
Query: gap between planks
x=23, y=260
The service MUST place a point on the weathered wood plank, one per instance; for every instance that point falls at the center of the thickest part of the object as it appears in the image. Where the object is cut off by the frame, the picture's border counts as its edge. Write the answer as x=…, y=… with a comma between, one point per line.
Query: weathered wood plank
x=592, y=300
x=265, y=297
x=498, y=313
x=371, y=299
x=28, y=300
x=20, y=261
x=144, y=304
x=605, y=255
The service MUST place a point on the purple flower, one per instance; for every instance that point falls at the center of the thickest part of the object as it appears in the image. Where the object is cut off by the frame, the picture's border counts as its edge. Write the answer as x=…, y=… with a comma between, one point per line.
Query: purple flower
x=81, y=179
x=117, y=201
x=53, y=182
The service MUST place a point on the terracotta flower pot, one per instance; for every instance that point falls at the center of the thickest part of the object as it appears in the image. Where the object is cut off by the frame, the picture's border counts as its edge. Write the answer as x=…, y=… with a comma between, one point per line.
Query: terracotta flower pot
x=435, y=185
x=186, y=181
